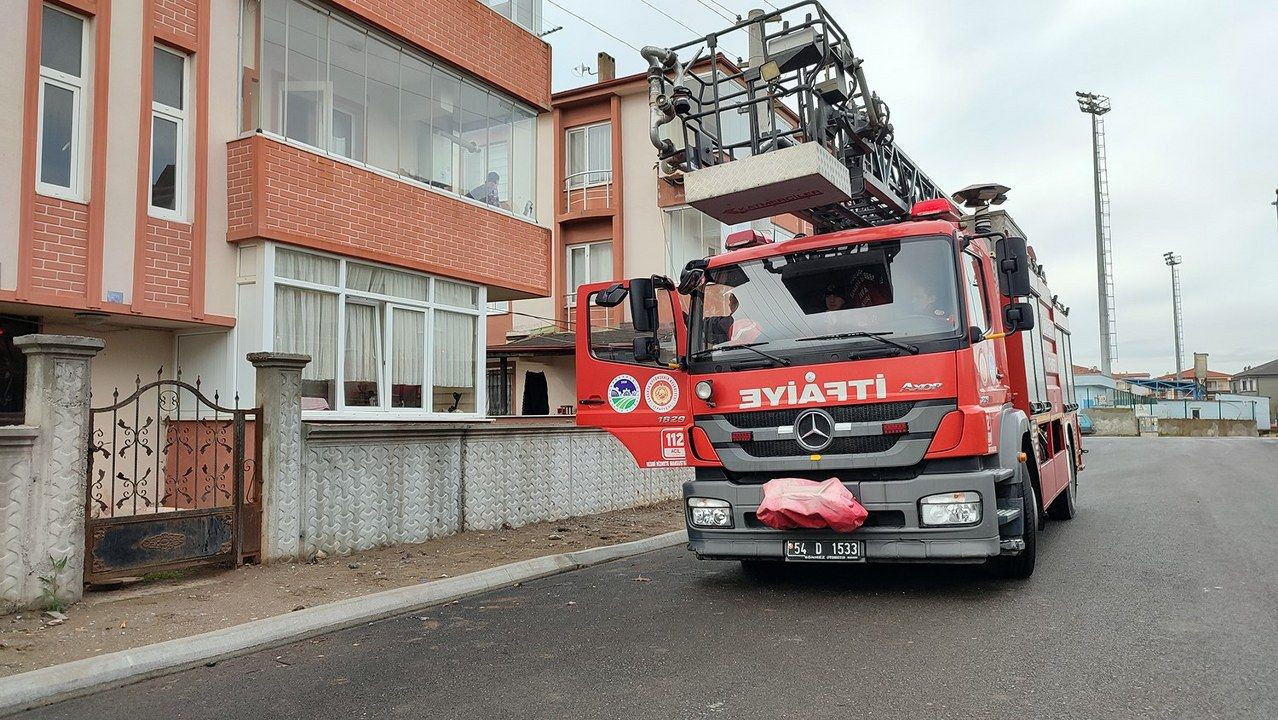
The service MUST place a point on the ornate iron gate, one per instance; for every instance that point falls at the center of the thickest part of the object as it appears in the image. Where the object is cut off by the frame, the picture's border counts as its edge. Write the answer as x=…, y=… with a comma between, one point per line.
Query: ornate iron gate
x=172, y=483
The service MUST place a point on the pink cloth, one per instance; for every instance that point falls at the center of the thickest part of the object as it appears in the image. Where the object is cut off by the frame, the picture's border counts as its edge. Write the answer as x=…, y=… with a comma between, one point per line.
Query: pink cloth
x=790, y=503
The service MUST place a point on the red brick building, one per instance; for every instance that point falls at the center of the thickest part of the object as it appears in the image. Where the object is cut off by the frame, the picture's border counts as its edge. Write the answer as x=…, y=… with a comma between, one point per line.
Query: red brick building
x=352, y=179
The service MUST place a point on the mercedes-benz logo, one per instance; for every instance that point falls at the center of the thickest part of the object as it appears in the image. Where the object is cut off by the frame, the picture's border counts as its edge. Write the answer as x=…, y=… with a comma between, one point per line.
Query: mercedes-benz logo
x=814, y=430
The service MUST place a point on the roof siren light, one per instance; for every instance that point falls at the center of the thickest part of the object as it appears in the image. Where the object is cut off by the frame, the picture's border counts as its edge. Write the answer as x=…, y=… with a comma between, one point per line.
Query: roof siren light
x=746, y=238
x=937, y=208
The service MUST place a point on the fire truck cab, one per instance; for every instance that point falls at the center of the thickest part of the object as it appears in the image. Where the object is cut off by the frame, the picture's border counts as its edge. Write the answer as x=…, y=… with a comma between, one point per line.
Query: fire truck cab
x=923, y=363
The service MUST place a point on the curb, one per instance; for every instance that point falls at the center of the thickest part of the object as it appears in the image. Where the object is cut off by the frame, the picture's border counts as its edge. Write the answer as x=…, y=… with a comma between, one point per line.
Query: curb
x=80, y=677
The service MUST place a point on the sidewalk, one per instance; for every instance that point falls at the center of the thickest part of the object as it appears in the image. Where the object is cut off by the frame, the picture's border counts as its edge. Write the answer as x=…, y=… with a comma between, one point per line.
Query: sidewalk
x=168, y=607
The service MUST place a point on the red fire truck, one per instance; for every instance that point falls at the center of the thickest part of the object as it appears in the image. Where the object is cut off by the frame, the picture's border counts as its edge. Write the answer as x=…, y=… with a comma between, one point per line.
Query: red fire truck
x=908, y=350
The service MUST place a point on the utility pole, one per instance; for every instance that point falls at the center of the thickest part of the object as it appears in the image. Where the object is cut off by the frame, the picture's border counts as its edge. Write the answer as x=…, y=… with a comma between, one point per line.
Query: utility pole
x=1275, y=202
x=1096, y=106
x=1173, y=261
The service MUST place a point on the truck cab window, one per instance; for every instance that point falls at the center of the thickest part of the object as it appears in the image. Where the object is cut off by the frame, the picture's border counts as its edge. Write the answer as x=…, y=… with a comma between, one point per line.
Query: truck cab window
x=612, y=333
x=978, y=309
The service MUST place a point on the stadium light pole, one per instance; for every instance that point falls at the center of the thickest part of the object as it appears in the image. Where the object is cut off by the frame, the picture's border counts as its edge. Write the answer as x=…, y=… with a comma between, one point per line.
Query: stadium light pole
x=1172, y=261
x=1096, y=106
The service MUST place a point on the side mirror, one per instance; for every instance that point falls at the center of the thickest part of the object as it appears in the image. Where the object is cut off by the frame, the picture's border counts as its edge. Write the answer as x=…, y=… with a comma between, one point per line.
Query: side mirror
x=646, y=349
x=643, y=305
x=1013, y=267
x=1017, y=317
x=611, y=296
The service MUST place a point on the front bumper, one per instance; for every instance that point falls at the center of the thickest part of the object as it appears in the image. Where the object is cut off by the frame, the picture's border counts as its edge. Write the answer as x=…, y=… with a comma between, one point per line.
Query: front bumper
x=892, y=533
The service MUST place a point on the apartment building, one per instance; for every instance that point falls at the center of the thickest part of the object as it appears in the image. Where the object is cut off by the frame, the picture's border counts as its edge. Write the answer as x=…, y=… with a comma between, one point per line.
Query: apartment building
x=612, y=218
x=355, y=180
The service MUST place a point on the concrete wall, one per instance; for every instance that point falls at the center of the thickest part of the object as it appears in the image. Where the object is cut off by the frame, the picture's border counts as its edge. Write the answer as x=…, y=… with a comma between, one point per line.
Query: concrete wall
x=1224, y=407
x=1113, y=421
x=367, y=485
x=1177, y=427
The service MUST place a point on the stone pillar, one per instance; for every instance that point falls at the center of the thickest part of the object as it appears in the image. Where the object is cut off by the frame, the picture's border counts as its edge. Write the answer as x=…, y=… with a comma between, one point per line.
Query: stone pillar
x=279, y=395
x=18, y=582
x=57, y=406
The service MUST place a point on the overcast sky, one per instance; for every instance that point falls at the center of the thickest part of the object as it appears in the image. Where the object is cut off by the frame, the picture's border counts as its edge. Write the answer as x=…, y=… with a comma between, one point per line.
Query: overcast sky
x=984, y=91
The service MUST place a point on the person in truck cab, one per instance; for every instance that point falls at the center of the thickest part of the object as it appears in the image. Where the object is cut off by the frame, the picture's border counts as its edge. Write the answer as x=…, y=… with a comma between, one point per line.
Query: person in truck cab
x=922, y=302
x=730, y=329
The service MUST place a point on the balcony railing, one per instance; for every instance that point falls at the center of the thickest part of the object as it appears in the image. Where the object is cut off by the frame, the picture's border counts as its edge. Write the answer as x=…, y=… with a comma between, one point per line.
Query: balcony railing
x=588, y=190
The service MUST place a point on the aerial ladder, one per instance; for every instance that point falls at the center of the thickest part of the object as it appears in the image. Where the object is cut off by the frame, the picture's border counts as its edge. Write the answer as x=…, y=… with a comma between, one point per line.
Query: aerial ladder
x=795, y=129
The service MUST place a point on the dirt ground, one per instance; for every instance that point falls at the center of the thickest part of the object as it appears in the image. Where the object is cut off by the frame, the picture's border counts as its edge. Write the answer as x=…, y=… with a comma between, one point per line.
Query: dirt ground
x=165, y=608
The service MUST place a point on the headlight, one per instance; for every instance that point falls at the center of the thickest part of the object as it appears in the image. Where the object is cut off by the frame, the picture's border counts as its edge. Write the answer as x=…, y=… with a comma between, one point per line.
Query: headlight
x=703, y=389
x=957, y=508
x=709, y=512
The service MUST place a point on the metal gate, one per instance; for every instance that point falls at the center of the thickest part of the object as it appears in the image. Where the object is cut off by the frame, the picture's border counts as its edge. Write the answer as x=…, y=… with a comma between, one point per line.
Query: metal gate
x=173, y=482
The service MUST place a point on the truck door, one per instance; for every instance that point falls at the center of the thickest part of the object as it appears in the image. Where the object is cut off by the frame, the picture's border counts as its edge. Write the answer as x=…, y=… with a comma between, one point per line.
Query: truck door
x=629, y=381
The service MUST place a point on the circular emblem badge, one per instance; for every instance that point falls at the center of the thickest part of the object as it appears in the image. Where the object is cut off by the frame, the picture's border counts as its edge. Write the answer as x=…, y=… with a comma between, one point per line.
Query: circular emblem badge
x=814, y=430
x=623, y=393
x=661, y=392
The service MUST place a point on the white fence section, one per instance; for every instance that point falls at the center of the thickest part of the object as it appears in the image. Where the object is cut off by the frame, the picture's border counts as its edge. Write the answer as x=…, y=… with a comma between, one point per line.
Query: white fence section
x=369, y=485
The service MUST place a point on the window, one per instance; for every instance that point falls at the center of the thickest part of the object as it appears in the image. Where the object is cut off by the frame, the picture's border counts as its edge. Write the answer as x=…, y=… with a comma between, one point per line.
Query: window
x=499, y=308
x=168, y=134
x=978, y=311
x=587, y=263
x=332, y=83
x=378, y=337
x=524, y=13
x=589, y=155
x=60, y=134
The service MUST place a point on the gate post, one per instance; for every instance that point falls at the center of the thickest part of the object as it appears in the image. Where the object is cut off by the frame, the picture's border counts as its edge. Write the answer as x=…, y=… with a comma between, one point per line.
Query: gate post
x=57, y=406
x=279, y=395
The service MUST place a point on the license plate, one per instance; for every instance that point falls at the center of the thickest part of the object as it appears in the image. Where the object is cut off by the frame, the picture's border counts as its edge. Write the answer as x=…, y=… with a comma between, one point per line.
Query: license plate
x=829, y=550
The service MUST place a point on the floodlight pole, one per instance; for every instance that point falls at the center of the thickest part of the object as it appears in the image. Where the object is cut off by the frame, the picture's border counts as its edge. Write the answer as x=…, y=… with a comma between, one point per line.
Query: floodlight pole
x=1172, y=261
x=1096, y=106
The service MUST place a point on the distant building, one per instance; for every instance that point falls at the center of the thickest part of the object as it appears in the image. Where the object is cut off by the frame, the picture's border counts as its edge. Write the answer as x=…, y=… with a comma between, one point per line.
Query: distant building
x=1216, y=382
x=1260, y=380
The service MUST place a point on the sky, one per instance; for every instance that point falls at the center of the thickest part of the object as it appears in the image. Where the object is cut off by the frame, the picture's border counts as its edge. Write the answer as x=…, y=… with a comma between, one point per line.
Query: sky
x=984, y=92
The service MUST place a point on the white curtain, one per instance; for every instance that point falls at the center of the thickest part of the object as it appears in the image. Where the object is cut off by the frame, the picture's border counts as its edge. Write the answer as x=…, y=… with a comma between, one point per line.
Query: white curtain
x=305, y=266
x=599, y=139
x=386, y=282
x=362, y=349
x=449, y=293
x=407, y=347
x=454, y=350
x=306, y=322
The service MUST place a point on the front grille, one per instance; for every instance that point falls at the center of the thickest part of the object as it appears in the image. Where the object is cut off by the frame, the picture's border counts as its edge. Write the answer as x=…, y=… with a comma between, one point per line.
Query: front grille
x=840, y=446
x=873, y=412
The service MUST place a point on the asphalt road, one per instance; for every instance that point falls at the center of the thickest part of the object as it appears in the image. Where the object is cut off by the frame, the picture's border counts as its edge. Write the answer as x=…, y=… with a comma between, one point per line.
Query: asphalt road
x=1159, y=600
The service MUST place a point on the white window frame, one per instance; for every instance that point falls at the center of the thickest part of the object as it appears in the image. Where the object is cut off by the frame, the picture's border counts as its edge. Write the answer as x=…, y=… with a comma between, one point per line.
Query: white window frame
x=498, y=307
x=571, y=294
x=387, y=304
x=77, y=86
x=180, y=117
x=584, y=130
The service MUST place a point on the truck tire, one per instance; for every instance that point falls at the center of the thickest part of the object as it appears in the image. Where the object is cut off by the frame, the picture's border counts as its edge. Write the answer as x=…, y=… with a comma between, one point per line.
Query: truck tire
x=1021, y=565
x=1063, y=508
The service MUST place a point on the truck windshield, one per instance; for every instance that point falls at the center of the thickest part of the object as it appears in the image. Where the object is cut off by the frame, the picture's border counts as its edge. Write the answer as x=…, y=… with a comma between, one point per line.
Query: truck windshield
x=839, y=297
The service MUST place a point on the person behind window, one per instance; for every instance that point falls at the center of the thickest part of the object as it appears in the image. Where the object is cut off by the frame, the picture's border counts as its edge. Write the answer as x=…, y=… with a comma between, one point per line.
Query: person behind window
x=487, y=193
x=922, y=302
x=867, y=289
x=730, y=329
x=834, y=300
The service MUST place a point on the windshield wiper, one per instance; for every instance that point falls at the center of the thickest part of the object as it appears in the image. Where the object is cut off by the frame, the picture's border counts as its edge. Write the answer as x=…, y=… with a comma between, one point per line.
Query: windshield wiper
x=752, y=347
x=880, y=336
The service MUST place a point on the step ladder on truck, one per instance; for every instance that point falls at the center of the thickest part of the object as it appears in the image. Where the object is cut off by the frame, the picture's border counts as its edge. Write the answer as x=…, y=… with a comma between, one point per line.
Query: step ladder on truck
x=904, y=347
